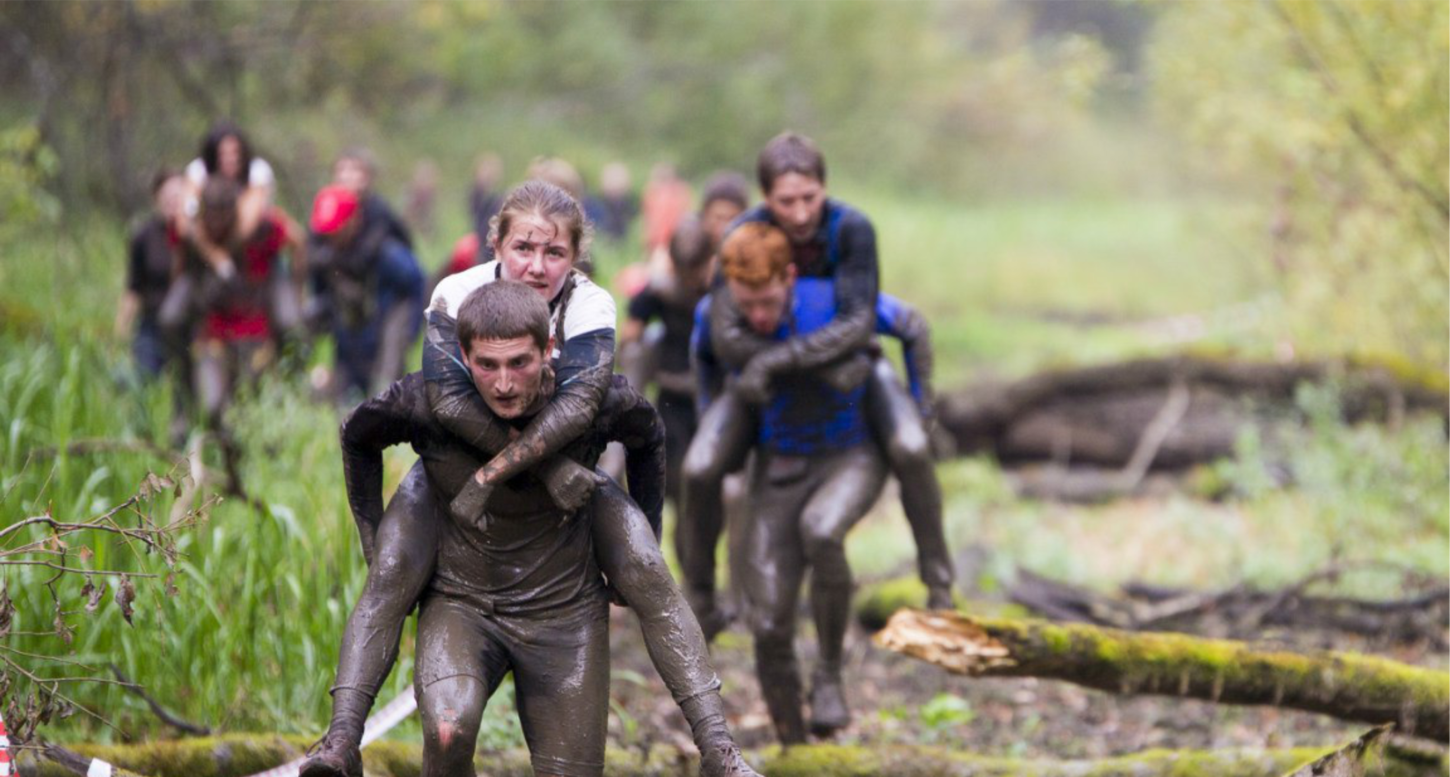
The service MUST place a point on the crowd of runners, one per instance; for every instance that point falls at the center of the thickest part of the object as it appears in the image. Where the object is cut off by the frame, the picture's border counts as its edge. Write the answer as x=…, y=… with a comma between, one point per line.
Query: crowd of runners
x=755, y=317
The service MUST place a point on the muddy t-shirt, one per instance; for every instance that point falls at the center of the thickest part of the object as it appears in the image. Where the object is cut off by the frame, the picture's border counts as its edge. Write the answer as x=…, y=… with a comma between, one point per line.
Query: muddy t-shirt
x=148, y=273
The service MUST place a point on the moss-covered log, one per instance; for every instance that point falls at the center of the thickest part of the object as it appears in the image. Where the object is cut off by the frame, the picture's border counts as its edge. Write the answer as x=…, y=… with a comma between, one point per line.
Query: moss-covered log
x=239, y=756
x=1348, y=686
x=1347, y=761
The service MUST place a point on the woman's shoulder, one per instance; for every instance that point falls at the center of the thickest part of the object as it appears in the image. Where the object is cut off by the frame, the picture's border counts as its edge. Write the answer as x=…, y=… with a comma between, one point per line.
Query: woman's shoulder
x=590, y=308
x=455, y=288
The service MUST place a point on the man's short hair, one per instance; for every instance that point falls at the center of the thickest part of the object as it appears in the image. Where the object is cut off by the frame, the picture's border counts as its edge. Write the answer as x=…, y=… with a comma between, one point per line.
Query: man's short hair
x=362, y=155
x=503, y=310
x=219, y=195
x=755, y=253
x=727, y=185
x=689, y=246
x=161, y=176
x=789, y=152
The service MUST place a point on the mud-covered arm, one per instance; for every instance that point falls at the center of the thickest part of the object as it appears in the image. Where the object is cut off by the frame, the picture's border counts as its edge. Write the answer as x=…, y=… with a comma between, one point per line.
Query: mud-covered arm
x=586, y=362
x=709, y=372
x=377, y=424
x=856, y=282
x=911, y=327
x=586, y=365
x=638, y=426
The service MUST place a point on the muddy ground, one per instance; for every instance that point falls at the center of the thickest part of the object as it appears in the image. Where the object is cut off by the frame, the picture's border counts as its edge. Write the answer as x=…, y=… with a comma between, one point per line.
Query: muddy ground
x=901, y=700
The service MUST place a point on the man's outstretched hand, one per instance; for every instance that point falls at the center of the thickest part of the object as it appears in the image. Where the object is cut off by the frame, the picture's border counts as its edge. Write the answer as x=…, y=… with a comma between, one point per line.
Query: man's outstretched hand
x=569, y=482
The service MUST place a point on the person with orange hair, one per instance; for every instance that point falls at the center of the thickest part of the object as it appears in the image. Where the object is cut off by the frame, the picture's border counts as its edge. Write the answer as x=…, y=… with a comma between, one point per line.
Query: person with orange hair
x=818, y=469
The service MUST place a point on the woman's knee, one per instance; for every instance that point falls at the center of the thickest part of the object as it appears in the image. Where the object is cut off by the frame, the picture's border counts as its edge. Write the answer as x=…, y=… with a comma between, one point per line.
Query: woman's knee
x=819, y=537
x=703, y=468
x=394, y=575
x=644, y=581
x=908, y=447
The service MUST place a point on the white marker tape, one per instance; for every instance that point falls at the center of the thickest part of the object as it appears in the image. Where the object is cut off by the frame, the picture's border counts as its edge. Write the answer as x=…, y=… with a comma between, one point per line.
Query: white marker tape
x=379, y=723
x=98, y=768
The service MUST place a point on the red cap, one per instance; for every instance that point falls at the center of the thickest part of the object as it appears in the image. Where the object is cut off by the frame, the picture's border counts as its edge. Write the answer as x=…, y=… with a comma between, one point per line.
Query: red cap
x=332, y=208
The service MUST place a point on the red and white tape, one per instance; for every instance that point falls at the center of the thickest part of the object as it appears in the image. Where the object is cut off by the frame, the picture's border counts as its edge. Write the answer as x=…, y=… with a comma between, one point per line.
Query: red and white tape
x=5, y=768
x=379, y=723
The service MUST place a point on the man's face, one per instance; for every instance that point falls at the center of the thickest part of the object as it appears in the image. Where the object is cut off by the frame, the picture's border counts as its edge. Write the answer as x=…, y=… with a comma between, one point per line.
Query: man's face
x=796, y=203
x=508, y=373
x=696, y=280
x=763, y=306
x=536, y=252
x=171, y=198
x=352, y=173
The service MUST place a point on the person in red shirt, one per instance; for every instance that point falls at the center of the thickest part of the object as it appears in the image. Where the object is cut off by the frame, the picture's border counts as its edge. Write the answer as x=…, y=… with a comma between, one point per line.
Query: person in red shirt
x=221, y=305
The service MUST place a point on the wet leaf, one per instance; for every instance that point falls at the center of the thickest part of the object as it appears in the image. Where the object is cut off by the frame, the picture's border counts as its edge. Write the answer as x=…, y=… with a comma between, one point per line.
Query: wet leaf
x=125, y=597
x=94, y=594
x=86, y=553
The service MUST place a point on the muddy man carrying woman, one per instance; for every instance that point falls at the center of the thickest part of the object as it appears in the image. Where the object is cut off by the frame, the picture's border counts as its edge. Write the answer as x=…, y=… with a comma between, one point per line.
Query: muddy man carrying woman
x=443, y=515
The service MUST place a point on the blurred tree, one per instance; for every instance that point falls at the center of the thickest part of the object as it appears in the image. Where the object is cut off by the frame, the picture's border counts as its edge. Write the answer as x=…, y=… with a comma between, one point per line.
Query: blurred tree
x=918, y=92
x=1336, y=111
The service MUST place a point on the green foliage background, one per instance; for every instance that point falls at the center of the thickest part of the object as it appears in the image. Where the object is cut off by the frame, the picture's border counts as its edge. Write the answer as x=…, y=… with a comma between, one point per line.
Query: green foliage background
x=1275, y=170
x=1335, y=113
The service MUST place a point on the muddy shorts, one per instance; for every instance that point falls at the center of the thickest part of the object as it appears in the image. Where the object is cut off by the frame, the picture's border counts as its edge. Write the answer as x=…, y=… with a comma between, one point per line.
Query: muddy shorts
x=560, y=664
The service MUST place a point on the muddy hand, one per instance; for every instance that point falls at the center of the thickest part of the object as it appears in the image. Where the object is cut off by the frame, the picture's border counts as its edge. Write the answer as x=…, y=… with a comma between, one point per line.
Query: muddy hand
x=570, y=484
x=468, y=506
x=753, y=386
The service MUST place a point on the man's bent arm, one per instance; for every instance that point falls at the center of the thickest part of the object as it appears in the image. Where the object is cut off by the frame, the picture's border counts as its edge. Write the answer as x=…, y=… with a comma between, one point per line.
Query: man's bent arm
x=910, y=326
x=586, y=367
x=856, y=285
x=375, y=425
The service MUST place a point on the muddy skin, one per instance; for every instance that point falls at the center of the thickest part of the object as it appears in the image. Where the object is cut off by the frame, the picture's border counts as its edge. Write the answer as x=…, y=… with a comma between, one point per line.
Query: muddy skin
x=560, y=662
x=725, y=435
x=898, y=429
x=803, y=509
x=625, y=540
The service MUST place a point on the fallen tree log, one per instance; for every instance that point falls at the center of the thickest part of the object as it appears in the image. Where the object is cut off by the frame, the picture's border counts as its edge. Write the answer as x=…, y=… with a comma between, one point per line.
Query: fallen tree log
x=1102, y=415
x=1242, y=611
x=242, y=755
x=1347, y=761
x=1347, y=686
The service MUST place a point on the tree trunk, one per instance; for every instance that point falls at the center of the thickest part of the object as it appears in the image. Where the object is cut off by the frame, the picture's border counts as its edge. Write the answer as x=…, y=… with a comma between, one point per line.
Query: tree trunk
x=1103, y=414
x=1348, y=686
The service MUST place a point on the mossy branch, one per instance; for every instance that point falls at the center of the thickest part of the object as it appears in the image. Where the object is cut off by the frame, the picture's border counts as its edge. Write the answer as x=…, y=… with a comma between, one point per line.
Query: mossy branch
x=1348, y=686
x=241, y=755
